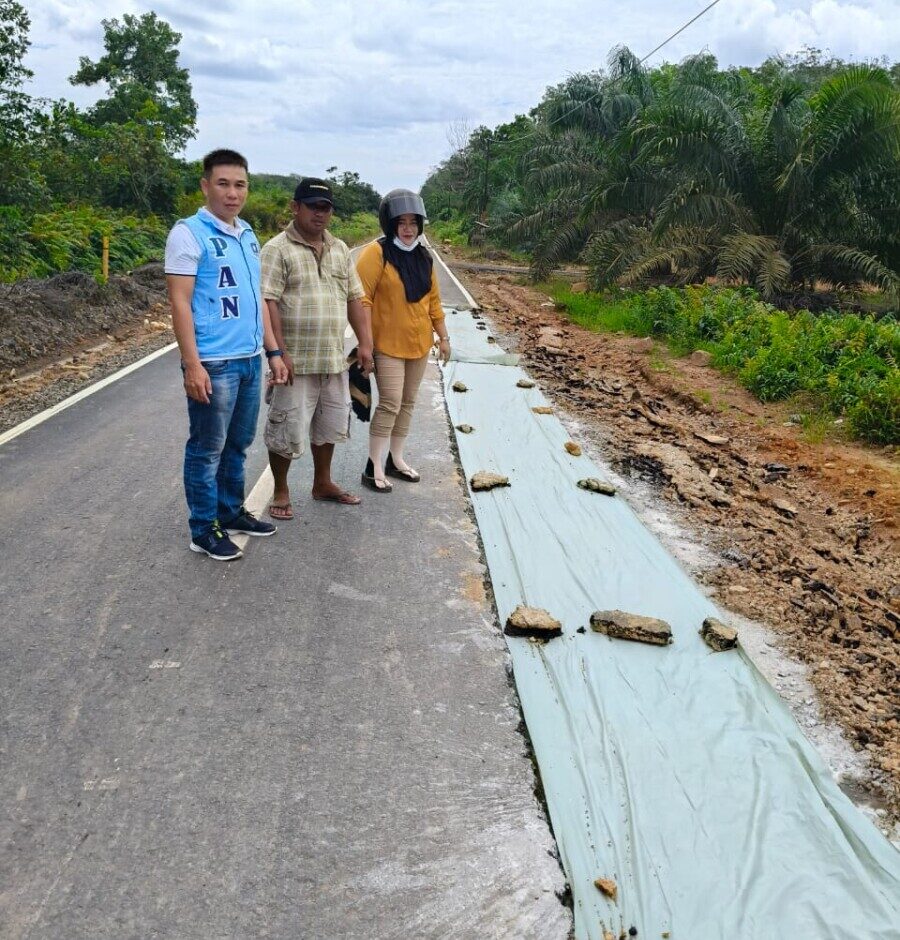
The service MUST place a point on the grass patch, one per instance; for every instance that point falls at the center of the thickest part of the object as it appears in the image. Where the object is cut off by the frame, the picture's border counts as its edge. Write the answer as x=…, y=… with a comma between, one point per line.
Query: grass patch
x=817, y=427
x=658, y=361
x=846, y=361
x=454, y=232
x=599, y=313
x=358, y=228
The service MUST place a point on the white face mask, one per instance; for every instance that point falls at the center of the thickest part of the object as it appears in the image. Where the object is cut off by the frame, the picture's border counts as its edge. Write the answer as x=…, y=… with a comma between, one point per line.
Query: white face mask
x=404, y=247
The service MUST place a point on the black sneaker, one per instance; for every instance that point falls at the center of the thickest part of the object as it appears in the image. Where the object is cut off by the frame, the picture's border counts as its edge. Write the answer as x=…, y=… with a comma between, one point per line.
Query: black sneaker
x=216, y=544
x=245, y=523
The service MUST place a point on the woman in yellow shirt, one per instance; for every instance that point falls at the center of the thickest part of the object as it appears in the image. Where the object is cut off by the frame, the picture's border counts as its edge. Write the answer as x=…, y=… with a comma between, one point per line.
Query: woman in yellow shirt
x=397, y=274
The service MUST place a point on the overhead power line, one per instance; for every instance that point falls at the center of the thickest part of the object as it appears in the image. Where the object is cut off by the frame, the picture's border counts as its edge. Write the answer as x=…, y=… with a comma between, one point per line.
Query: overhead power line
x=581, y=104
x=665, y=42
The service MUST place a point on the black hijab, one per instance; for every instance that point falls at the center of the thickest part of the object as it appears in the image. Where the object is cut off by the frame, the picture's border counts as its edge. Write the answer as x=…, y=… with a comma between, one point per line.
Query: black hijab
x=414, y=267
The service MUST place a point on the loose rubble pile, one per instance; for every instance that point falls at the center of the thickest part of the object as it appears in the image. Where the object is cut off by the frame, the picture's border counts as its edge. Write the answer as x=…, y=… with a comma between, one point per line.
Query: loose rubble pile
x=806, y=532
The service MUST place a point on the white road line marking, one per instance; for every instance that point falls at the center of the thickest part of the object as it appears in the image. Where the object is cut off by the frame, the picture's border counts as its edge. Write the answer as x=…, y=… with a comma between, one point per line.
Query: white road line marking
x=165, y=664
x=78, y=396
x=256, y=502
x=469, y=298
x=107, y=783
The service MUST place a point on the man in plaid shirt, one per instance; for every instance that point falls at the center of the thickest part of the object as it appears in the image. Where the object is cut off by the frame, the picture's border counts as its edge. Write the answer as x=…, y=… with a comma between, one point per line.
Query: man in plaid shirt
x=311, y=289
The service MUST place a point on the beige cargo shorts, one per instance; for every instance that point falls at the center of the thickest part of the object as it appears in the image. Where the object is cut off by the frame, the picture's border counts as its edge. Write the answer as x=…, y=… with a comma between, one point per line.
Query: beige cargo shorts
x=315, y=407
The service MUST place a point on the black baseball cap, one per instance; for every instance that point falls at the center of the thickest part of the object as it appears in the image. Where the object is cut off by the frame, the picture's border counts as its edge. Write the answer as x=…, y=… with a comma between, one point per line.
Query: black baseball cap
x=310, y=189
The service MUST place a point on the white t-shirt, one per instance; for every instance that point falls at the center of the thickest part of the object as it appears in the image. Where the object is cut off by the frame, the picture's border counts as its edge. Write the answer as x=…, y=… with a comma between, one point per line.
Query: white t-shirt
x=182, y=250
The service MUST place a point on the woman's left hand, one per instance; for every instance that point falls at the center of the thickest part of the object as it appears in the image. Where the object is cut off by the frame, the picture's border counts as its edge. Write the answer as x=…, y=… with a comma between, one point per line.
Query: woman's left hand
x=444, y=350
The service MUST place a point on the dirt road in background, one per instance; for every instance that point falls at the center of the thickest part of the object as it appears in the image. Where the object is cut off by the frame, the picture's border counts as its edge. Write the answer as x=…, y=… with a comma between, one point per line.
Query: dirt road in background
x=804, y=535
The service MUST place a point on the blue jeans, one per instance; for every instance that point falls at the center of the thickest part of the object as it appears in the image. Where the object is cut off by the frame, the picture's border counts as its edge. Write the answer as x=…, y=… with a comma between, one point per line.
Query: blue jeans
x=220, y=434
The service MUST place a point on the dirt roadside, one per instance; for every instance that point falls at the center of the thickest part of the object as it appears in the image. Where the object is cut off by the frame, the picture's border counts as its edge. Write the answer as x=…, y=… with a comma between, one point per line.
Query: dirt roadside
x=799, y=537
x=64, y=333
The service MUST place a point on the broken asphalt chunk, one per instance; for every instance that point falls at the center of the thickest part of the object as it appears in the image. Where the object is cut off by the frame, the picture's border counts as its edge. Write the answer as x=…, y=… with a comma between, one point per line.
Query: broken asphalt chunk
x=625, y=626
x=464, y=428
x=607, y=886
x=460, y=387
x=532, y=622
x=597, y=486
x=717, y=635
x=525, y=383
x=484, y=480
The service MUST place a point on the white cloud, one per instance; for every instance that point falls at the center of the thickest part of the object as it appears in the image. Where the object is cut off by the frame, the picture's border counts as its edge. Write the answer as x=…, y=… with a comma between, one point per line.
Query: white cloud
x=300, y=85
x=759, y=28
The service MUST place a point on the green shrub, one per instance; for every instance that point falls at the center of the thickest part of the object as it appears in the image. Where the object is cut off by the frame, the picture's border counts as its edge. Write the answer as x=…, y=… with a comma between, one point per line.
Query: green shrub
x=875, y=415
x=847, y=362
x=454, y=230
x=65, y=239
x=358, y=228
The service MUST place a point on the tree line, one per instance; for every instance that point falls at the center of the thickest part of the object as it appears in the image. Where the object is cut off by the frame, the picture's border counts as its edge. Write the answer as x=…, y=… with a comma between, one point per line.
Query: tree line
x=72, y=174
x=785, y=176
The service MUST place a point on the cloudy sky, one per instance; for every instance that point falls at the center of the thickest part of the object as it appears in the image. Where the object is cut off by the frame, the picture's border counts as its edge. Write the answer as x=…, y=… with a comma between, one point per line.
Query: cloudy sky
x=299, y=86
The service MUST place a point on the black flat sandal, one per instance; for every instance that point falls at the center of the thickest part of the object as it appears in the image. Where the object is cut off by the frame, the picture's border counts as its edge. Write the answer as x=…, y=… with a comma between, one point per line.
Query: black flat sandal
x=368, y=479
x=391, y=470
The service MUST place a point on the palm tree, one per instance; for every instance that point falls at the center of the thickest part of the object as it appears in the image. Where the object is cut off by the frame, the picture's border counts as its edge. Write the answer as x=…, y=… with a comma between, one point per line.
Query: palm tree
x=688, y=171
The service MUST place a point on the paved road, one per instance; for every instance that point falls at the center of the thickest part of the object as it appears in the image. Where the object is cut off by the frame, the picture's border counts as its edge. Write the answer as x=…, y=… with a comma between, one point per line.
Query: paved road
x=317, y=741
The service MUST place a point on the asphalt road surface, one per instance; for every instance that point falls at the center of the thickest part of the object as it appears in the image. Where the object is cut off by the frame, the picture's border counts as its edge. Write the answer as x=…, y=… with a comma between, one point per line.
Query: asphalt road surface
x=317, y=741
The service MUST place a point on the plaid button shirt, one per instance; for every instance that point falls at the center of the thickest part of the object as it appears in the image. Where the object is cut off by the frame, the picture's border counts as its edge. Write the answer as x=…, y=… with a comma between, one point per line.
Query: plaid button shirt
x=312, y=293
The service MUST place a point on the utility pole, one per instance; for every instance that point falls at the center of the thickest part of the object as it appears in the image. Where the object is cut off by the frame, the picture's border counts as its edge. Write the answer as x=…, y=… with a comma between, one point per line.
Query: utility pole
x=487, y=166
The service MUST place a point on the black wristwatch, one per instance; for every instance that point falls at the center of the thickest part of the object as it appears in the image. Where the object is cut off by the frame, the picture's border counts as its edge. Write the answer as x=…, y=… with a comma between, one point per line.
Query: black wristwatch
x=274, y=352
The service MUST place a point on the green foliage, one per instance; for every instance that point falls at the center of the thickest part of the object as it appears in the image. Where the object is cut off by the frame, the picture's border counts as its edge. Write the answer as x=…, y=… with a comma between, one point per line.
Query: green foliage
x=17, y=181
x=356, y=229
x=483, y=177
x=72, y=240
x=351, y=194
x=783, y=177
x=875, y=415
x=455, y=231
x=71, y=176
x=849, y=363
x=14, y=44
x=146, y=85
x=119, y=153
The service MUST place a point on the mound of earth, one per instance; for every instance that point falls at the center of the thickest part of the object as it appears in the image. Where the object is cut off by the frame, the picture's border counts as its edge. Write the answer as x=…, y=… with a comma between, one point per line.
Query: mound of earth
x=42, y=320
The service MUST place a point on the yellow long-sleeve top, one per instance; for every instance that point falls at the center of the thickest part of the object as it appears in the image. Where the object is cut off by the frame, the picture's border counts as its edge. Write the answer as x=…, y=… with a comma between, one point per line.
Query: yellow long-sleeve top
x=399, y=328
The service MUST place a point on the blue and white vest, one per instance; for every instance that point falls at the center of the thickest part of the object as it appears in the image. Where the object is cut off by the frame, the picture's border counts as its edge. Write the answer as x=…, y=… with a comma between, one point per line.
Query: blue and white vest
x=226, y=301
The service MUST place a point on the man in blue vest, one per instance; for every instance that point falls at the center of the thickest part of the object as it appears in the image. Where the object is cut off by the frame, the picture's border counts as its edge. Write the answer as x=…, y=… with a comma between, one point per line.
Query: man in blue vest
x=222, y=326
